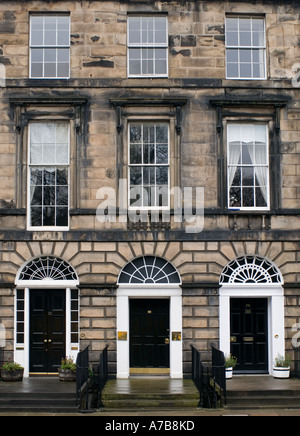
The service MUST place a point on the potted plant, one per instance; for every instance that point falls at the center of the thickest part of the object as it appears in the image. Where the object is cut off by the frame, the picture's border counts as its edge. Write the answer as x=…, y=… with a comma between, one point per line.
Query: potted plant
x=230, y=364
x=67, y=370
x=12, y=372
x=282, y=367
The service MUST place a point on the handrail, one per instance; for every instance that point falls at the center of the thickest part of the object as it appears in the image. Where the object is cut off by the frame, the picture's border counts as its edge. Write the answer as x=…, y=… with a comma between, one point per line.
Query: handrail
x=210, y=380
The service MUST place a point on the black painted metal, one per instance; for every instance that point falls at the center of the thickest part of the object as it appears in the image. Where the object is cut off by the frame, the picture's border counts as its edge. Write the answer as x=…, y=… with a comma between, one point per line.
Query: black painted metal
x=89, y=384
x=210, y=380
x=82, y=380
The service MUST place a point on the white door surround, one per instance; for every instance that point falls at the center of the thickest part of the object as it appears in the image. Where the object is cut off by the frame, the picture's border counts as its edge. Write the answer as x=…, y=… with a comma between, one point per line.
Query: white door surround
x=275, y=296
x=45, y=272
x=126, y=292
x=149, y=277
x=254, y=276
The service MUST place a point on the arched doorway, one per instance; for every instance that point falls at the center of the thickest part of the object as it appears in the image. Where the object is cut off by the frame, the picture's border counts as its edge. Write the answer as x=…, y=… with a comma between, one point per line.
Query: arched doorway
x=149, y=318
x=252, y=313
x=46, y=314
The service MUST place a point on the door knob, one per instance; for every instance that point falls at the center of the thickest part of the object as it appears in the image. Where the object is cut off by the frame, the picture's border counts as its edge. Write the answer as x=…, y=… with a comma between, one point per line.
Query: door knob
x=49, y=340
x=167, y=341
x=45, y=340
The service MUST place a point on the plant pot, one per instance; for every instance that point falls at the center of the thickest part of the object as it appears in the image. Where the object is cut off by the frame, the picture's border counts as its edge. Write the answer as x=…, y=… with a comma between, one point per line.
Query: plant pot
x=12, y=376
x=66, y=375
x=229, y=373
x=281, y=372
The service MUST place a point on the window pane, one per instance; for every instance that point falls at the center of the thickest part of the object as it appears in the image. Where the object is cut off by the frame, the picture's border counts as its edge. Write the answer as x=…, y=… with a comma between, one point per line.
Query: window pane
x=162, y=154
x=36, y=216
x=63, y=37
x=136, y=153
x=233, y=55
x=260, y=200
x=62, y=177
x=63, y=55
x=232, y=39
x=50, y=37
x=50, y=55
x=135, y=176
x=63, y=70
x=162, y=176
x=245, y=39
x=36, y=70
x=235, y=198
x=62, y=217
x=233, y=70
x=49, y=216
x=50, y=70
x=248, y=197
x=248, y=176
x=37, y=55
x=246, y=71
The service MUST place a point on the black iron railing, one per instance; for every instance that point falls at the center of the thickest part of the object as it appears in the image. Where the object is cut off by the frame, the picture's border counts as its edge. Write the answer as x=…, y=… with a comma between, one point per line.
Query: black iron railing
x=82, y=380
x=219, y=373
x=100, y=377
x=90, y=383
x=296, y=362
x=210, y=380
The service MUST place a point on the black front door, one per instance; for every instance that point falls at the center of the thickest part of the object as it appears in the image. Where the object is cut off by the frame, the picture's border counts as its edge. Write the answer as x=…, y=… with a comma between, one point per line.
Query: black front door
x=47, y=329
x=249, y=334
x=149, y=334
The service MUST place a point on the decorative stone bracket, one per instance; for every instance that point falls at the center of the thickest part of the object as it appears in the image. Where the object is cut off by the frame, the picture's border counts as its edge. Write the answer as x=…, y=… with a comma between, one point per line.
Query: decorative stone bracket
x=27, y=109
x=176, y=103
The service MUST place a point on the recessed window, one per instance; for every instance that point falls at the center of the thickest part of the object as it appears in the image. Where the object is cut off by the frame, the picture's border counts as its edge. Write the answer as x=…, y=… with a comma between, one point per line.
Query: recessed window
x=245, y=48
x=49, y=175
x=147, y=46
x=50, y=46
x=248, y=166
x=149, y=165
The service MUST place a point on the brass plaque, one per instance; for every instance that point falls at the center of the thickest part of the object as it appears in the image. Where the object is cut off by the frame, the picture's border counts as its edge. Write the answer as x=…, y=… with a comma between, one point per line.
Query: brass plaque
x=176, y=336
x=122, y=336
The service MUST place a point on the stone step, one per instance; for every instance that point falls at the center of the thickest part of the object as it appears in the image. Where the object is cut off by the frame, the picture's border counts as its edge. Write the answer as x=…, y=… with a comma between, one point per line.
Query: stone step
x=135, y=394
x=265, y=400
x=29, y=402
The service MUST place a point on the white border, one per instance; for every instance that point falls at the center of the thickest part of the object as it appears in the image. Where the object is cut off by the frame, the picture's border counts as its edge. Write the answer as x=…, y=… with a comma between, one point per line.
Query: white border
x=275, y=296
x=21, y=351
x=174, y=293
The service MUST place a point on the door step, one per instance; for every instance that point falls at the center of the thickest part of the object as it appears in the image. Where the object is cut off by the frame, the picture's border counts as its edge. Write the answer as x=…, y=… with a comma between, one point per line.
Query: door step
x=155, y=393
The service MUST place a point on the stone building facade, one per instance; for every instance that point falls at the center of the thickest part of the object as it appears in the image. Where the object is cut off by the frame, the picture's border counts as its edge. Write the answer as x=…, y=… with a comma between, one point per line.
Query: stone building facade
x=101, y=97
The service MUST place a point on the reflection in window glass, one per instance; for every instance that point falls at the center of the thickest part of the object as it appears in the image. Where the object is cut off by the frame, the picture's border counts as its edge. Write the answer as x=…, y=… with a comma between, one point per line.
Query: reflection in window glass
x=248, y=166
x=50, y=46
x=49, y=175
x=147, y=46
x=149, y=165
x=245, y=48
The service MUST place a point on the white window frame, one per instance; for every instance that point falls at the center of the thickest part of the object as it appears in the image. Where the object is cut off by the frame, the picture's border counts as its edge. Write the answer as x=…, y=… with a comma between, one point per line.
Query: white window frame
x=29, y=165
x=254, y=208
x=142, y=45
x=43, y=47
x=142, y=165
x=241, y=47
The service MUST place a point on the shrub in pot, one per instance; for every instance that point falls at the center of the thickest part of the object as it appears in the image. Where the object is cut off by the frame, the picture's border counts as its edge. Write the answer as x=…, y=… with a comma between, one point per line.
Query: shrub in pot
x=67, y=370
x=230, y=364
x=282, y=367
x=12, y=372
